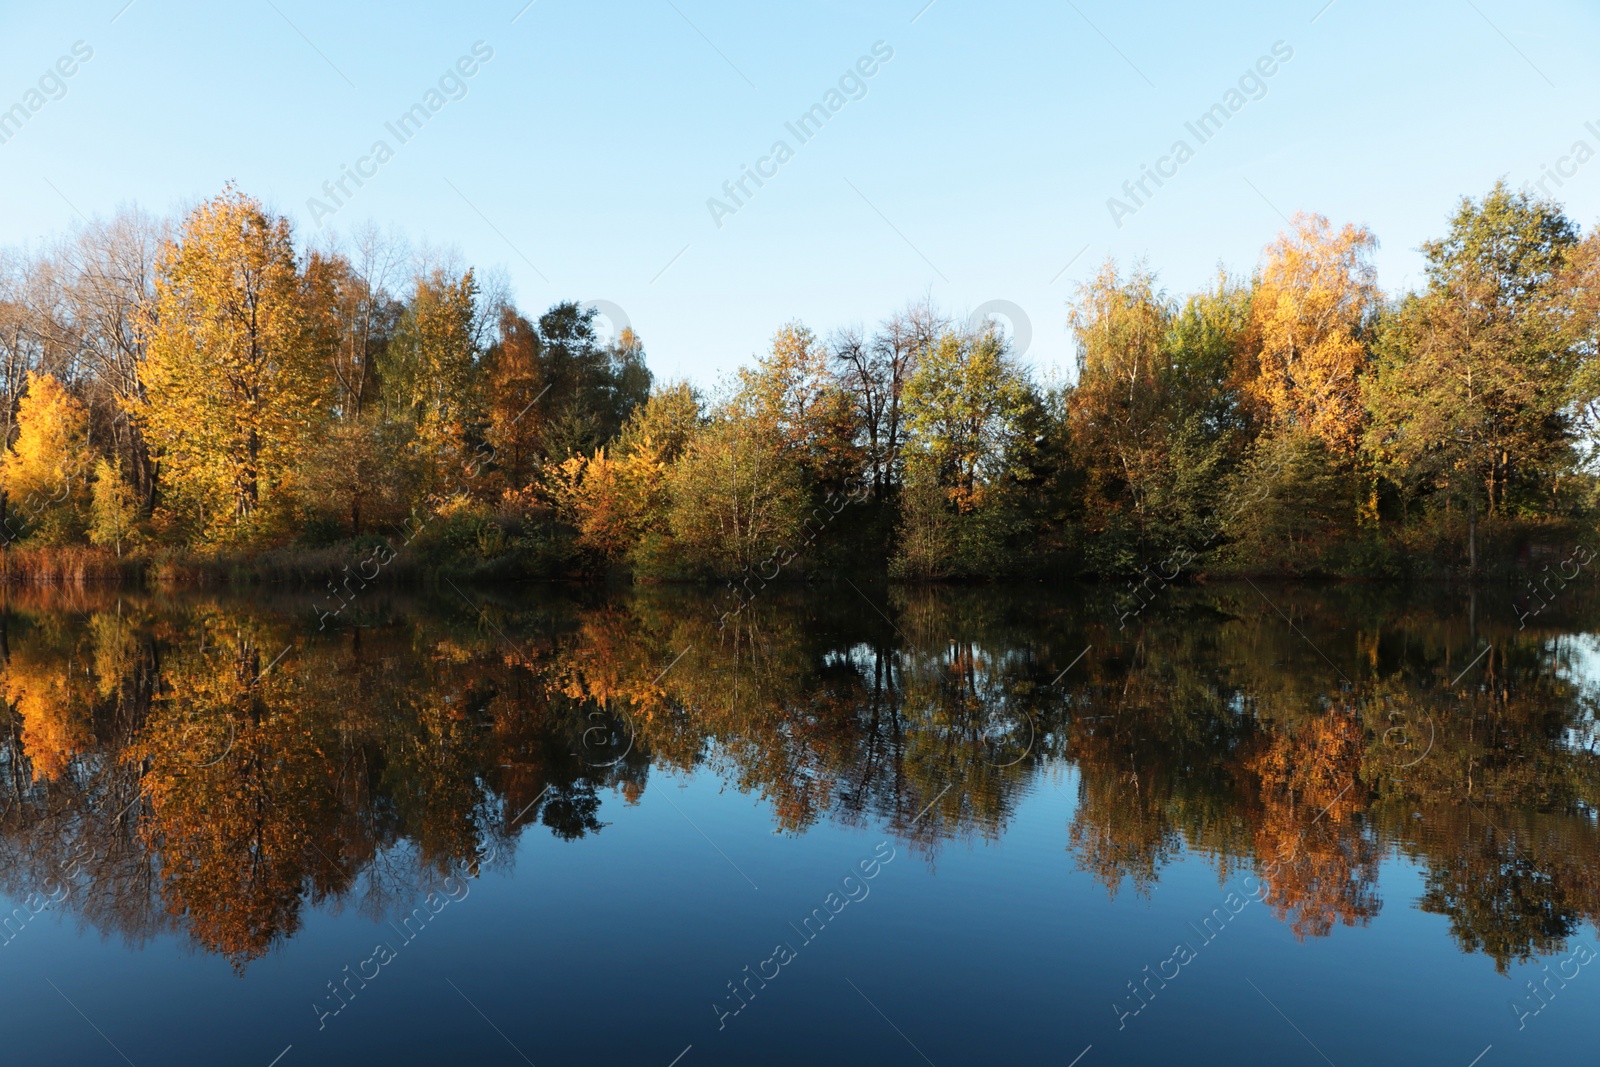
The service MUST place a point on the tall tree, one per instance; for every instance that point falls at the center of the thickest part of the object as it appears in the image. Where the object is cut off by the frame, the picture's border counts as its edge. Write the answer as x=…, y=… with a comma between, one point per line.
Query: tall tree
x=1120, y=408
x=356, y=316
x=233, y=386
x=557, y=391
x=969, y=412
x=101, y=282
x=431, y=376
x=1312, y=303
x=874, y=372
x=22, y=342
x=1472, y=392
x=792, y=396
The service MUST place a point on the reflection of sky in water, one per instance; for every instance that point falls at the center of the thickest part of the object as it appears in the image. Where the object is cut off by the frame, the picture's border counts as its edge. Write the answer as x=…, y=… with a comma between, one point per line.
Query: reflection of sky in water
x=1579, y=655
x=605, y=929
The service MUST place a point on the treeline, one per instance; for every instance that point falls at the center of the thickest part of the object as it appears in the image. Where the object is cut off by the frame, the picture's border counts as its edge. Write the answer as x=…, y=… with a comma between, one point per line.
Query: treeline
x=199, y=391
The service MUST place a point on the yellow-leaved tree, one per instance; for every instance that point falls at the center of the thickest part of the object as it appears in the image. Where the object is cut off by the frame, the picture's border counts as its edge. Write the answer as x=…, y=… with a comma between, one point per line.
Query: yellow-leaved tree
x=234, y=383
x=617, y=499
x=612, y=499
x=792, y=396
x=114, y=509
x=1316, y=290
x=45, y=473
x=736, y=499
x=433, y=380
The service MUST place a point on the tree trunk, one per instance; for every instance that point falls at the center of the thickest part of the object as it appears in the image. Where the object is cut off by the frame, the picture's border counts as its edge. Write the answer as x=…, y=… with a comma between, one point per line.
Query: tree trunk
x=1472, y=536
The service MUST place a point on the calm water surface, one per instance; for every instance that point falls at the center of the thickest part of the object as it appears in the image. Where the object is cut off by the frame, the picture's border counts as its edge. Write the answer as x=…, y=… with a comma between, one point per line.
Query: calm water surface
x=855, y=826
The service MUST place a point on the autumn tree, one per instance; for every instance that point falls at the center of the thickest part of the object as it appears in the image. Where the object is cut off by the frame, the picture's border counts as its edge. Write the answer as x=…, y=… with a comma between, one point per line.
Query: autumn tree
x=612, y=499
x=669, y=419
x=1312, y=303
x=233, y=387
x=98, y=284
x=25, y=347
x=966, y=409
x=736, y=498
x=1208, y=345
x=114, y=508
x=516, y=383
x=1471, y=397
x=556, y=391
x=432, y=376
x=1122, y=409
x=617, y=497
x=927, y=546
x=354, y=316
x=45, y=474
x=1580, y=286
x=792, y=397
x=361, y=475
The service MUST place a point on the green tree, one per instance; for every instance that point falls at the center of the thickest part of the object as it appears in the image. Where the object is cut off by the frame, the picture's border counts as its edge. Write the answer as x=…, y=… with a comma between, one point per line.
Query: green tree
x=1475, y=372
x=555, y=391
x=965, y=407
x=668, y=420
x=1154, y=417
x=968, y=408
x=928, y=545
x=1288, y=506
x=736, y=499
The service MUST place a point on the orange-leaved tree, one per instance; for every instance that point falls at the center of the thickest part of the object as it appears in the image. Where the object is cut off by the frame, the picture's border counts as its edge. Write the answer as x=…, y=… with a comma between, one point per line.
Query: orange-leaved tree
x=1314, y=299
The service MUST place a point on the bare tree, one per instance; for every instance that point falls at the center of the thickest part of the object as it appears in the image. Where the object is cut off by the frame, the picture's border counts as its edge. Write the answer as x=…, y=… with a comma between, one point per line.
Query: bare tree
x=875, y=373
x=19, y=342
x=87, y=300
x=362, y=308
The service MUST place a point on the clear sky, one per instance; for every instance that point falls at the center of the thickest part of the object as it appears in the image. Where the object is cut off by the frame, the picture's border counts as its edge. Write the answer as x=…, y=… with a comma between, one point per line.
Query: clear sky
x=975, y=164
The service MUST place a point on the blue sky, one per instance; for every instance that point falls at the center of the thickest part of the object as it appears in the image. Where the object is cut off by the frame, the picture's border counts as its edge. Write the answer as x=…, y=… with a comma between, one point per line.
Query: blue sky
x=976, y=166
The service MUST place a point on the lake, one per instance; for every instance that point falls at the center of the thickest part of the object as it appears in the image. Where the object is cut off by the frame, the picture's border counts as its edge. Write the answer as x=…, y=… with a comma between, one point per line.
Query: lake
x=846, y=824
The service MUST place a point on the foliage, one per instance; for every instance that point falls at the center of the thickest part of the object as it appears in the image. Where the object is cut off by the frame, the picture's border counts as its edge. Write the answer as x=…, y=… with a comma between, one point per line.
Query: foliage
x=243, y=401
x=1312, y=301
x=1470, y=401
x=226, y=770
x=964, y=411
x=114, y=508
x=234, y=388
x=1299, y=503
x=45, y=473
x=735, y=499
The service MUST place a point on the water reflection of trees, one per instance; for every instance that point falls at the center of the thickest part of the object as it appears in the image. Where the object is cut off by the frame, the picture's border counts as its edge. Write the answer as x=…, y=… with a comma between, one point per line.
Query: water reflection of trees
x=213, y=767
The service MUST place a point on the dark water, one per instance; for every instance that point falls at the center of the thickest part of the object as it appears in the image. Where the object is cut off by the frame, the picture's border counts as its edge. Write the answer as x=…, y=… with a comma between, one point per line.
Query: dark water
x=854, y=826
